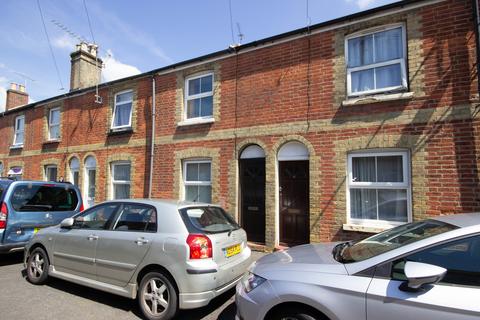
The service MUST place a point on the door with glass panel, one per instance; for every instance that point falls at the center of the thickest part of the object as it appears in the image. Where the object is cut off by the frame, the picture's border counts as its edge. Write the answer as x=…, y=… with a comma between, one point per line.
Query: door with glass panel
x=90, y=179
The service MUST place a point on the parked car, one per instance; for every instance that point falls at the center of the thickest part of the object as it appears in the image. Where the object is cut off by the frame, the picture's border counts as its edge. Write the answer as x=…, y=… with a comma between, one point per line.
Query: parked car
x=422, y=270
x=28, y=206
x=167, y=254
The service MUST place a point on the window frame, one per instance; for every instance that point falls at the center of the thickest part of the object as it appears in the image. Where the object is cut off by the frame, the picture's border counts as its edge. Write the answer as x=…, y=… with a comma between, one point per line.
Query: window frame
x=198, y=96
x=129, y=125
x=17, y=131
x=51, y=125
x=405, y=185
x=195, y=183
x=120, y=182
x=45, y=171
x=402, y=61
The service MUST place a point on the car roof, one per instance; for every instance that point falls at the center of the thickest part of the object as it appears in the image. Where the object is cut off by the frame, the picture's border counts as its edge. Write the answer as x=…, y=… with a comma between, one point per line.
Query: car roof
x=461, y=220
x=173, y=203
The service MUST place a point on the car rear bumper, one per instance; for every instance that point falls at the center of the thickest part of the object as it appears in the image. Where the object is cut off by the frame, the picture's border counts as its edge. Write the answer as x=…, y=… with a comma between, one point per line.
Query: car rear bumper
x=228, y=274
x=12, y=247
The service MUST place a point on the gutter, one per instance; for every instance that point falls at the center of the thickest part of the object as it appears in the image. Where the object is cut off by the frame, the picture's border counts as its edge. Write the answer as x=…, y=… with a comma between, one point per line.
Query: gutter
x=476, y=19
x=152, y=143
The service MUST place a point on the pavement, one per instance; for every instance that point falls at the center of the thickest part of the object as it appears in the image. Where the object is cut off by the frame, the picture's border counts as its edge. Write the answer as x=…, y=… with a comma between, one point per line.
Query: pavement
x=60, y=299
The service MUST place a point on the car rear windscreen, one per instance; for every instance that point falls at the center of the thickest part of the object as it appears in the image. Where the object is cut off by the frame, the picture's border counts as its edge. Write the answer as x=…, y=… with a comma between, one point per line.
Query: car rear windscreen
x=3, y=187
x=209, y=219
x=34, y=197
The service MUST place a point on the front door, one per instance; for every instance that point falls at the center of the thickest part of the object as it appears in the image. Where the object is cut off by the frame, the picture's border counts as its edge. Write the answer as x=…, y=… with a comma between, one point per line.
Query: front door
x=252, y=180
x=294, y=202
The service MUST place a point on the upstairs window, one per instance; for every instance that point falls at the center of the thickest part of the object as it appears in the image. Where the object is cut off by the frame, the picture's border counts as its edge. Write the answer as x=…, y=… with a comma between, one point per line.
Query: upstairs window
x=19, y=130
x=379, y=188
x=121, y=180
x=197, y=180
x=376, y=61
x=54, y=124
x=199, y=97
x=122, y=111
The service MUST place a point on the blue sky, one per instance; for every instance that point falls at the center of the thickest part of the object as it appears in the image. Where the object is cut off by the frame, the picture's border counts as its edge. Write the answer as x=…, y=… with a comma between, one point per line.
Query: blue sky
x=138, y=36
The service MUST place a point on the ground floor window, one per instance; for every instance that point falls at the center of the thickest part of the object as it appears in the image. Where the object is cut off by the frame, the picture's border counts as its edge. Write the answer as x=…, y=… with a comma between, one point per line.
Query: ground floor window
x=197, y=180
x=379, y=187
x=51, y=172
x=121, y=180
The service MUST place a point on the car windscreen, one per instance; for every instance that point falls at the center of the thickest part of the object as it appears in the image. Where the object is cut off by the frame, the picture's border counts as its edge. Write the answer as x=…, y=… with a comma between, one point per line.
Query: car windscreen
x=208, y=219
x=391, y=239
x=35, y=197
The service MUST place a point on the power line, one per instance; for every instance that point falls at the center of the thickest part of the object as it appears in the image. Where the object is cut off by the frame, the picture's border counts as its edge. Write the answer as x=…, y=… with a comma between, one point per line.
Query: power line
x=88, y=18
x=50, y=46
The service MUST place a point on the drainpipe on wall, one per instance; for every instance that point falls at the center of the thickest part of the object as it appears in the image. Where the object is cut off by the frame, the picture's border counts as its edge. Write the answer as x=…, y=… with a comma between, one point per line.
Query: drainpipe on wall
x=152, y=143
x=476, y=18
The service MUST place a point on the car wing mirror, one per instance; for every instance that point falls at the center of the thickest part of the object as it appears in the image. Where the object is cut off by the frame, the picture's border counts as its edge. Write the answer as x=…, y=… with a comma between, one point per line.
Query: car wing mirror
x=67, y=223
x=419, y=274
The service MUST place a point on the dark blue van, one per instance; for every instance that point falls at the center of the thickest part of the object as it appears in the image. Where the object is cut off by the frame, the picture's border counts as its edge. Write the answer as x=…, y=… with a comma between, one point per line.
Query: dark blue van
x=28, y=206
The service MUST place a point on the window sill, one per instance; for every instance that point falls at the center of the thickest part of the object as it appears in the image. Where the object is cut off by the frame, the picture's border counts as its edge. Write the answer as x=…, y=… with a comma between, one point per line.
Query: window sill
x=117, y=131
x=377, y=98
x=16, y=146
x=366, y=228
x=193, y=122
x=52, y=141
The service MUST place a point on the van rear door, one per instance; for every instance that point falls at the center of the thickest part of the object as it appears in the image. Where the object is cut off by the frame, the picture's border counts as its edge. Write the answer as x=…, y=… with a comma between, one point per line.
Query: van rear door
x=33, y=206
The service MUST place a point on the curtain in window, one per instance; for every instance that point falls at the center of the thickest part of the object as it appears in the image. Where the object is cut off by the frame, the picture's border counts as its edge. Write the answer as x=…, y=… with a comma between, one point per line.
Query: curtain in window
x=121, y=191
x=54, y=132
x=390, y=169
x=122, y=115
x=91, y=183
x=360, y=51
x=392, y=205
x=19, y=137
x=363, y=203
x=198, y=193
x=388, y=45
x=121, y=172
x=363, y=169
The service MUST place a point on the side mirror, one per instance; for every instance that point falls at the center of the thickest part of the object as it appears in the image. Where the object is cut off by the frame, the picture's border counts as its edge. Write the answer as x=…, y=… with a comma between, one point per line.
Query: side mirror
x=67, y=223
x=419, y=274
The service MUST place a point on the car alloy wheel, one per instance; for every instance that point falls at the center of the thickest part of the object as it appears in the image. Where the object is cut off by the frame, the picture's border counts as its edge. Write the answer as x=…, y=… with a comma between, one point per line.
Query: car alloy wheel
x=157, y=297
x=37, y=266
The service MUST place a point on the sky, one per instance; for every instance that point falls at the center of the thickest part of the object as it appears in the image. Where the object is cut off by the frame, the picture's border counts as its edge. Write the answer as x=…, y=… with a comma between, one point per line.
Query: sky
x=139, y=36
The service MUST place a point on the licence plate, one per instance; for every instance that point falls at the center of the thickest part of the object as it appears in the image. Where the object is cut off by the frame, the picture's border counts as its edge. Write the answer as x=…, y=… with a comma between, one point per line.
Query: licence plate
x=233, y=250
x=35, y=230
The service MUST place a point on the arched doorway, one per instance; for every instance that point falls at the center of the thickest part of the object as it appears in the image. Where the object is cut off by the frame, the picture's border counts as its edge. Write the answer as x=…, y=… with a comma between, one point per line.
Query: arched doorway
x=252, y=190
x=294, y=191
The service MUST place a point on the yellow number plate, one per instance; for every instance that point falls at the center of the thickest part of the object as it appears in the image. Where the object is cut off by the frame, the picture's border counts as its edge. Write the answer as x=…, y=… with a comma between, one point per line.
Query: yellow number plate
x=233, y=250
x=35, y=230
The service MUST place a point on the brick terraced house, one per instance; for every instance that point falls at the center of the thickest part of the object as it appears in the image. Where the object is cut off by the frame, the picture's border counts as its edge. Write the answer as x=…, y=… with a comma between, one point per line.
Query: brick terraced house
x=330, y=132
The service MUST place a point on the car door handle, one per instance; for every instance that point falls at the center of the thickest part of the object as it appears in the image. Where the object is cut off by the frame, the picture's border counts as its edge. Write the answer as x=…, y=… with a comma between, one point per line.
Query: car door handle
x=92, y=237
x=141, y=241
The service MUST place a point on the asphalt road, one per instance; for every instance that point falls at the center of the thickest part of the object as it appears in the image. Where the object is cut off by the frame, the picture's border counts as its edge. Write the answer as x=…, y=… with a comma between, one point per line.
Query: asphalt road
x=59, y=299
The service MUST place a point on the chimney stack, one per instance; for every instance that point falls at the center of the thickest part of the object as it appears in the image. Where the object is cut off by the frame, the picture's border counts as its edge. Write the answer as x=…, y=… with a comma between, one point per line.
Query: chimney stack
x=85, y=66
x=16, y=96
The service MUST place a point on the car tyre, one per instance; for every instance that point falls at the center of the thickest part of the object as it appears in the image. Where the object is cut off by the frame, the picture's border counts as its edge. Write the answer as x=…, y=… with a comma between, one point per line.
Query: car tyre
x=295, y=313
x=157, y=297
x=37, y=266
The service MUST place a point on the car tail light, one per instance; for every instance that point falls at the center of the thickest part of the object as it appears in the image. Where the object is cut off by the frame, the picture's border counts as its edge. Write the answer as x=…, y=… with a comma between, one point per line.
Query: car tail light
x=81, y=207
x=200, y=246
x=3, y=215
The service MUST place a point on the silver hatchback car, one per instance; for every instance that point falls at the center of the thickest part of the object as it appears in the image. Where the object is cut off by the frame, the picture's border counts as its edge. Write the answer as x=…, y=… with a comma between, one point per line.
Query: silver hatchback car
x=167, y=254
x=422, y=270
